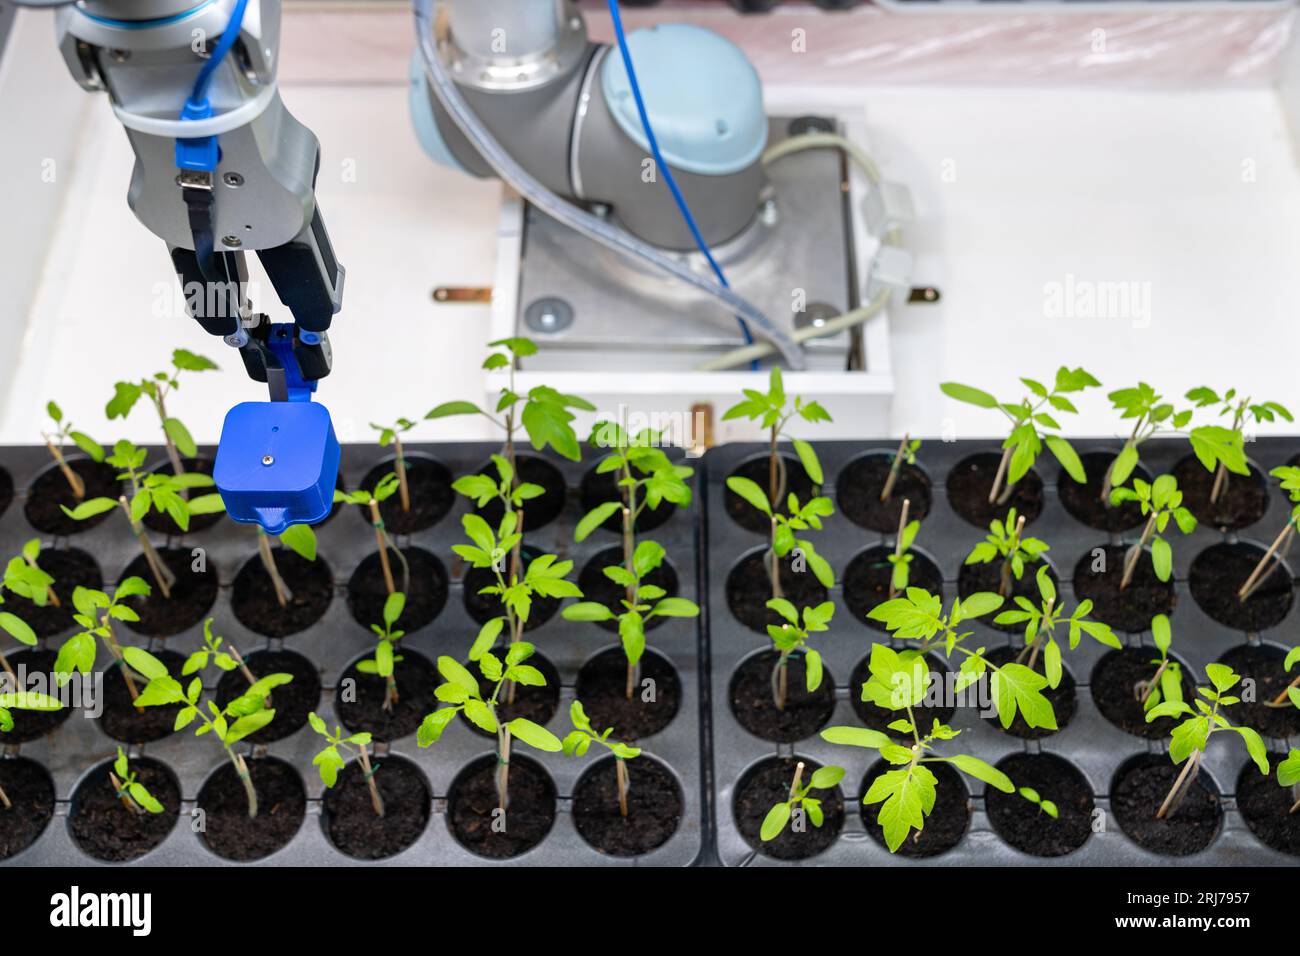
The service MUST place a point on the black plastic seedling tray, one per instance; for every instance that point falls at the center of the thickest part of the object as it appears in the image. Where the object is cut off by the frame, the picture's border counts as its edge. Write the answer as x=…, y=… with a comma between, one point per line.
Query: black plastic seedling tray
x=962, y=830
x=79, y=747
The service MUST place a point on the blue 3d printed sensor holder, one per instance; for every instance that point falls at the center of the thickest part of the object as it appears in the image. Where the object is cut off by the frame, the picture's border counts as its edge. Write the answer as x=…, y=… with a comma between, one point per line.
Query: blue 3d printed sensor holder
x=278, y=462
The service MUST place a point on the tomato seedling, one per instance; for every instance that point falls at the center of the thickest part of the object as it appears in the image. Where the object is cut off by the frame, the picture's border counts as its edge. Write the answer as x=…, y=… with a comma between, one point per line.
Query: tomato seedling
x=798, y=802
x=1222, y=449
x=791, y=637
x=577, y=742
x=157, y=388
x=58, y=436
x=382, y=664
x=905, y=455
x=1289, y=479
x=384, y=489
x=133, y=794
x=1041, y=621
x=1166, y=684
x=330, y=760
x=96, y=612
x=1006, y=540
x=11, y=700
x=1160, y=501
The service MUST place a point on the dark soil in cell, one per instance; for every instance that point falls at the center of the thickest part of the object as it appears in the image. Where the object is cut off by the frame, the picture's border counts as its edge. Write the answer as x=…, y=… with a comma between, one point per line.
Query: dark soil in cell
x=1132, y=608
x=1114, y=685
x=6, y=491
x=106, y=829
x=50, y=493
x=359, y=701
x=654, y=807
x=595, y=586
x=32, y=725
x=31, y=791
x=429, y=484
x=349, y=815
x=757, y=470
x=1063, y=698
x=944, y=827
x=974, y=578
x=877, y=718
x=1243, y=501
x=971, y=480
x=866, y=581
x=472, y=806
x=1140, y=787
x=254, y=601
x=125, y=722
x=767, y=784
x=749, y=588
x=163, y=523
x=483, y=607
x=426, y=592
x=1084, y=501
x=1218, y=573
x=292, y=702
x=602, y=688
x=1263, y=664
x=71, y=568
x=539, y=511
x=598, y=489
x=858, y=490
x=755, y=709
x=537, y=704
x=282, y=804
x=192, y=594
x=1266, y=806
x=1023, y=824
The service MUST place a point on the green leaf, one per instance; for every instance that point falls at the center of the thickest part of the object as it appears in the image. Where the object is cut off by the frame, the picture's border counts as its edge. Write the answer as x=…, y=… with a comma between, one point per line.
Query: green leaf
x=1067, y=456
x=775, y=822
x=480, y=714
x=144, y=663
x=808, y=458
x=89, y=508
x=969, y=395
x=434, y=724
x=856, y=737
x=1123, y=465
x=299, y=538
x=452, y=670
x=587, y=611
x=188, y=361
x=594, y=518
x=983, y=771
x=535, y=735
x=93, y=449
x=17, y=628
x=1255, y=746
x=447, y=409
x=249, y=724
x=676, y=607
x=1162, y=558
x=181, y=437
x=1016, y=687
x=394, y=605
x=750, y=492
x=908, y=795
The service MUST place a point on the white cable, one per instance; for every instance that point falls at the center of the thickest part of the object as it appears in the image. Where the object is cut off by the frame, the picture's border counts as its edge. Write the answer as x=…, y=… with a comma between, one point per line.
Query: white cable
x=621, y=241
x=196, y=129
x=846, y=320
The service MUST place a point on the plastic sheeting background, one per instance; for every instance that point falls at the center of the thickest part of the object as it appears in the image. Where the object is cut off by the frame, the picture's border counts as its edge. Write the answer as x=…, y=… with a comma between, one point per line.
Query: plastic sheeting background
x=798, y=44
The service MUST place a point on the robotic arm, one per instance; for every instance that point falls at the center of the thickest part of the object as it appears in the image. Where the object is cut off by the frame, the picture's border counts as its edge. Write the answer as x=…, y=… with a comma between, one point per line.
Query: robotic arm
x=222, y=169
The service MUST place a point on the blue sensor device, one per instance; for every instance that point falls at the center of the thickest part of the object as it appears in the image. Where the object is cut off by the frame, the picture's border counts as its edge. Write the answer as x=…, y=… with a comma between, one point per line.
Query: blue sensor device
x=278, y=462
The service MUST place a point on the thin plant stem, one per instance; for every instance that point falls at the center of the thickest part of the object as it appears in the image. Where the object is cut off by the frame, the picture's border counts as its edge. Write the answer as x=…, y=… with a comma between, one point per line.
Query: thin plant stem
x=894, y=469
x=620, y=773
x=161, y=574
x=794, y=784
x=1281, y=699
x=1108, y=483
x=8, y=669
x=1135, y=552
x=403, y=487
x=160, y=404
x=1181, y=785
x=282, y=594
x=381, y=541
x=75, y=484
x=1280, y=546
x=49, y=590
x=503, y=766
x=898, y=544
x=1004, y=578
x=376, y=800
x=110, y=641
x=123, y=795
x=1150, y=686
x=4, y=799
x=241, y=768
x=781, y=681
x=243, y=669
x=995, y=492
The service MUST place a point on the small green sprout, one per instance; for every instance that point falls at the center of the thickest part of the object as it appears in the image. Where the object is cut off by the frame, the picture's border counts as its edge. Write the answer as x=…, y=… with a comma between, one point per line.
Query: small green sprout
x=544, y=414
x=792, y=637
x=907, y=792
x=647, y=601
x=1046, y=806
x=579, y=740
x=1292, y=691
x=1160, y=500
x=95, y=614
x=330, y=760
x=1191, y=738
x=1040, y=622
x=1167, y=682
x=133, y=794
x=1288, y=774
x=1151, y=416
x=384, y=489
x=221, y=653
x=55, y=439
x=11, y=700
x=1289, y=479
x=382, y=664
x=1221, y=449
x=901, y=559
x=798, y=803
x=906, y=454
x=784, y=528
x=462, y=695
x=151, y=492
x=918, y=616
x=1006, y=540
x=392, y=435
x=1032, y=426
x=157, y=388
x=245, y=715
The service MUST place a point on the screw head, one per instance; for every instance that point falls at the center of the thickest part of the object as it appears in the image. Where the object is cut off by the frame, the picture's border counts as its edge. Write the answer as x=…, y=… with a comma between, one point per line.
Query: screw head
x=548, y=315
x=268, y=460
x=233, y=180
x=233, y=241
